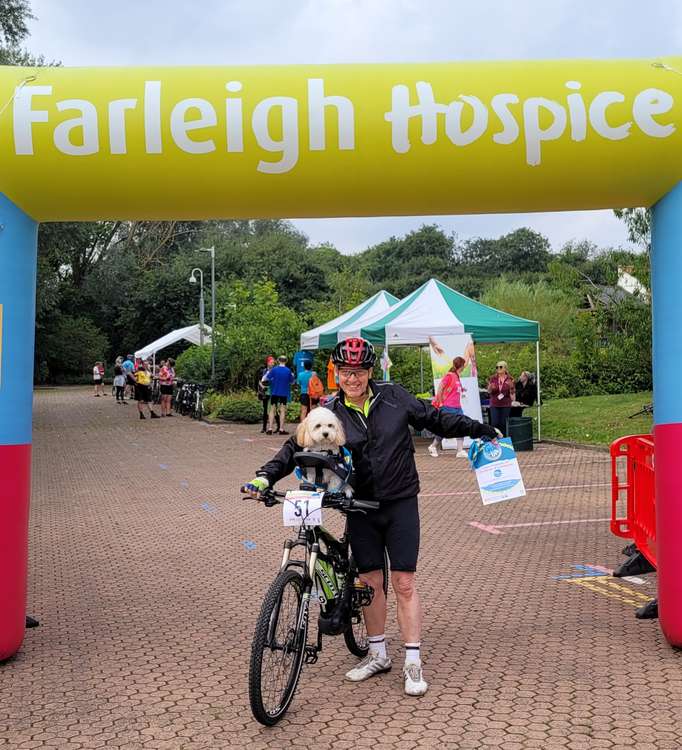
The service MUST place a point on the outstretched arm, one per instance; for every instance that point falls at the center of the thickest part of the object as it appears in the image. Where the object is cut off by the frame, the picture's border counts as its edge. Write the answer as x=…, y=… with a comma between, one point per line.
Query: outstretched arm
x=422, y=415
x=281, y=464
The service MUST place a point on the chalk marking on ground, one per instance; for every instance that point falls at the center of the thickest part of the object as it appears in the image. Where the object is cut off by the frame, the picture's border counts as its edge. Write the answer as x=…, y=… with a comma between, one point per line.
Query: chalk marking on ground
x=528, y=489
x=495, y=528
x=522, y=465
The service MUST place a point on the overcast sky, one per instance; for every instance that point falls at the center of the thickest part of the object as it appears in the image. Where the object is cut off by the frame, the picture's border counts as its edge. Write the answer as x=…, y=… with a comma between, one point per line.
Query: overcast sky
x=223, y=32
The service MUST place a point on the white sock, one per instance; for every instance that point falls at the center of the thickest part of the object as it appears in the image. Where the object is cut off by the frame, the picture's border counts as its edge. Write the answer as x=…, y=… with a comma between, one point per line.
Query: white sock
x=412, y=655
x=377, y=645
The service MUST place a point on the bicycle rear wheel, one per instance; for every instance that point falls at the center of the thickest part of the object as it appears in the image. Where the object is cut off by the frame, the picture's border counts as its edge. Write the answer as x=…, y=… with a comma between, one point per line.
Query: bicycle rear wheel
x=278, y=649
x=356, y=635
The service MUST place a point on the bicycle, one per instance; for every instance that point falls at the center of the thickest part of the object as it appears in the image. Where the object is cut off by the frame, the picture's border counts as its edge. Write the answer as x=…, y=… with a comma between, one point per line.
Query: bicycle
x=280, y=644
x=646, y=409
x=198, y=400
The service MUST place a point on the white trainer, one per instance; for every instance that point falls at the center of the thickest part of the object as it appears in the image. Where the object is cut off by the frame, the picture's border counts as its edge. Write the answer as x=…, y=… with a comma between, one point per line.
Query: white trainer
x=372, y=664
x=462, y=454
x=433, y=451
x=415, y=684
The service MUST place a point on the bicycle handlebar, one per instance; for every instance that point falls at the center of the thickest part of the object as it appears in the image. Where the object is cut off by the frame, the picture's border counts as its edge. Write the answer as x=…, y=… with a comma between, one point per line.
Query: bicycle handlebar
x=336, y=500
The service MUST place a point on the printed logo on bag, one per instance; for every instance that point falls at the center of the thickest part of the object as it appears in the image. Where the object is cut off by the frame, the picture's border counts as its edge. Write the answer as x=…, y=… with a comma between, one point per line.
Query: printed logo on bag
x=491, y=451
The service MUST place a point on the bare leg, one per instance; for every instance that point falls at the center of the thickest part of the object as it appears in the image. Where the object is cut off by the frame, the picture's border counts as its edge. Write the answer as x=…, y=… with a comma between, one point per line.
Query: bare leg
x=409, y=607
x=304, y=411
x=375, y=613
x=272, y=410
x=282, y=416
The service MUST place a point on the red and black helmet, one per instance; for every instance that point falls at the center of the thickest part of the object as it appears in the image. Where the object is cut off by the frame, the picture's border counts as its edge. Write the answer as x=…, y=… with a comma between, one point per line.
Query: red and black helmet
x=354, y=352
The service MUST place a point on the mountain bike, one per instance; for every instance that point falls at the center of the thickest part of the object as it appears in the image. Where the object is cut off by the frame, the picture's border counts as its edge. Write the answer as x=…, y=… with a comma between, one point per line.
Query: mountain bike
x=328, y=571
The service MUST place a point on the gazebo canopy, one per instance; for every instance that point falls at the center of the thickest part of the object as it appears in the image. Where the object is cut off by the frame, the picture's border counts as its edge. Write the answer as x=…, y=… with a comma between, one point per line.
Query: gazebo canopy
x=436, y=309
x=326, y=336
x=189, y=333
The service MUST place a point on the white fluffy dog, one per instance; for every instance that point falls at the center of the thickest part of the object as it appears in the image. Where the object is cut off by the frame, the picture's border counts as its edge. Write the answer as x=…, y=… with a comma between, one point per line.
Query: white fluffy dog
x=321, y=431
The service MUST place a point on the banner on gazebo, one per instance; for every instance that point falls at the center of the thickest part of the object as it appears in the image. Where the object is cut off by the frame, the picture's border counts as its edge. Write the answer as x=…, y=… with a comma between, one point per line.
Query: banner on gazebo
x=444, y=348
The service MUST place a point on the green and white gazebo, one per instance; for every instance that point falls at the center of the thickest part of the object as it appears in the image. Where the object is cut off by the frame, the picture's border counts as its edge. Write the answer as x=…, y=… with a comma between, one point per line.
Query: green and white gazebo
x=435, y=309
x=329, y=334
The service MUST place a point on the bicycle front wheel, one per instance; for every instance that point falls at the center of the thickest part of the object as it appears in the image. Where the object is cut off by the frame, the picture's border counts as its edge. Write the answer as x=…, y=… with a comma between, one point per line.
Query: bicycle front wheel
x=278, y=648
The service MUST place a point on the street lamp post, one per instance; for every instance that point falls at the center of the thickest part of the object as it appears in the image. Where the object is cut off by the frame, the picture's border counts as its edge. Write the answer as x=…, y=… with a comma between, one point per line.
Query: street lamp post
x=211, y=250
x=193, y=280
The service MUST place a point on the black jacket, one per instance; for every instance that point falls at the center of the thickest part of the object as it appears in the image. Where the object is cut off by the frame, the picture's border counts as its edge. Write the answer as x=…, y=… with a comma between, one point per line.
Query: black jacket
x=381, y=443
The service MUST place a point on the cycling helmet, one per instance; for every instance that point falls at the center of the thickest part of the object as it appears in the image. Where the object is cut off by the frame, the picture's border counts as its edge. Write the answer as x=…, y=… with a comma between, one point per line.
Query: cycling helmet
x=354, y=352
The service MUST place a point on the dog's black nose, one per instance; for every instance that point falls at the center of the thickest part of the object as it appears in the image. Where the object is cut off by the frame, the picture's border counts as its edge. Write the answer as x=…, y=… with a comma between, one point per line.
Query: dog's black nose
x=325, y=434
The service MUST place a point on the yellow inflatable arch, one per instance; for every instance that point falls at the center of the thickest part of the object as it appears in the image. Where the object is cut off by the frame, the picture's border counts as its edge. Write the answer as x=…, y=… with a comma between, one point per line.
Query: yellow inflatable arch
x=342, y=140
x=345, y=140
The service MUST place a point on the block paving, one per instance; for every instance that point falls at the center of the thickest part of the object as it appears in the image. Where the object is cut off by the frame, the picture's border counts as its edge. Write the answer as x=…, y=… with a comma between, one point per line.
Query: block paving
x=147, y=570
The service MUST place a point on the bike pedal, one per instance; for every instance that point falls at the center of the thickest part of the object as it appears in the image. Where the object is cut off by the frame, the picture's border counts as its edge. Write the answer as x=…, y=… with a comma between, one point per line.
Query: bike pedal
x=310, y=658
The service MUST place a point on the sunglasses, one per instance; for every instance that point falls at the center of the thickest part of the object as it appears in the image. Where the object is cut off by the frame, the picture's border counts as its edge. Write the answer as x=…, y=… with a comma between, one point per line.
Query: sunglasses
x=349, y=374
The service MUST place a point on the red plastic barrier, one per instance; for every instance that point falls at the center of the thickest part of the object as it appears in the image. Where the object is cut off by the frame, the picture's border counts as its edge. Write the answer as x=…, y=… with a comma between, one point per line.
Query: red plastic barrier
x=633, y=485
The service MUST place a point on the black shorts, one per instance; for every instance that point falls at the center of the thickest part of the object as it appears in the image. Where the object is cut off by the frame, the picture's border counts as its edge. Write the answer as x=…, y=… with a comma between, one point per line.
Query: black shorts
x=308, y=402
x=143, y=393
x=276, y=400
x=394, y=527
x=166, y=390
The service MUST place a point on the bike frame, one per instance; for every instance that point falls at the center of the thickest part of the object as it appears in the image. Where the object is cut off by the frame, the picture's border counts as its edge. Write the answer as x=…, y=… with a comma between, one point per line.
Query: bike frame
x=309, y=537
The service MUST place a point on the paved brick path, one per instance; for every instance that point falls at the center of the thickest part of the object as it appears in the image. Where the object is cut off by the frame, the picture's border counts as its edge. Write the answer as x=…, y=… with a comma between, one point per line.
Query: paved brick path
x=147, y=571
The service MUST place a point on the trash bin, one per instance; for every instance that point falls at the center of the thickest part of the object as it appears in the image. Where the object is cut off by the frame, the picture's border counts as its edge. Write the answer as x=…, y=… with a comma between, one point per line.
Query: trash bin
x=520, y=430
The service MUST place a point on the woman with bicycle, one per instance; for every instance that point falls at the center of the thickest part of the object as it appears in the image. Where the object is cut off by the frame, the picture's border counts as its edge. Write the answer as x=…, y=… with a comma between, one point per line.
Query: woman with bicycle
x=376, y=417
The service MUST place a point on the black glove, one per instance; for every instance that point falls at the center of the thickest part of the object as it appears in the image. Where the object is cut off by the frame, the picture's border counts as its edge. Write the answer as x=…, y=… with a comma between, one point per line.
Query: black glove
x=488, y=431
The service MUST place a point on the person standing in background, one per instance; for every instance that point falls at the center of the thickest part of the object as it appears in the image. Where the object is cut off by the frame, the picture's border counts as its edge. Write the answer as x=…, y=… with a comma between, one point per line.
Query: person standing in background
x=128, y=366
x=143, y=389
x=280, y=379
x=449, y=399
x=302, y=380
x=98, y=378
x=263, y=390
x=119, y=383
x=502, y=392
x=166, y=378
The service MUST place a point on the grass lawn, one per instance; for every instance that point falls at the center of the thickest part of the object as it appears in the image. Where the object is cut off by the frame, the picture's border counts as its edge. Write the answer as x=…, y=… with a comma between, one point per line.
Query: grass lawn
x=597, y=420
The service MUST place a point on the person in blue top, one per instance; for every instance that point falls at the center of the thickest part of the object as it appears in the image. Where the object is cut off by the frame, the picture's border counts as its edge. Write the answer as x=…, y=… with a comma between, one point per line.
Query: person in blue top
x=128, y=366
x=280, y=379
x=303, y=379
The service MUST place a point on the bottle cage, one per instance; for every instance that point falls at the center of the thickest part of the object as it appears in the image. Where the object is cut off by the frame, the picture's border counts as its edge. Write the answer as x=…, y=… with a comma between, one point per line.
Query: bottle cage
x=341, y=464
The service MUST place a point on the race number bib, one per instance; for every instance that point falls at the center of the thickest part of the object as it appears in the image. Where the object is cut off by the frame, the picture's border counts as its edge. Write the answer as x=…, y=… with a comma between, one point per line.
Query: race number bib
x=301, y=507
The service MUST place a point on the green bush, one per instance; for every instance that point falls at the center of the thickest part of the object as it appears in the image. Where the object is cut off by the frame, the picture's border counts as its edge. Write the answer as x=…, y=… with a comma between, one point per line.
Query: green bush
x=242, y=406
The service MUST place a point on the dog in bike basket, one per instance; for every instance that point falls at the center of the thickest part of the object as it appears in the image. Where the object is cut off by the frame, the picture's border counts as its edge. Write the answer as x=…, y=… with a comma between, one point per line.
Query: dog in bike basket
x=328, y=465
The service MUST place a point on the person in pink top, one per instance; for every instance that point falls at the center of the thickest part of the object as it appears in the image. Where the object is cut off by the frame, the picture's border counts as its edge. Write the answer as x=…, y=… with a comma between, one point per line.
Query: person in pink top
x=449, y=398
x=166, y=378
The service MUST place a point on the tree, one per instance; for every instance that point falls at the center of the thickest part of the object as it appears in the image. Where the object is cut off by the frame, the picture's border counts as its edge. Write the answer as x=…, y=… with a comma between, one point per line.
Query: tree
x=638, y=222
x=14, y=17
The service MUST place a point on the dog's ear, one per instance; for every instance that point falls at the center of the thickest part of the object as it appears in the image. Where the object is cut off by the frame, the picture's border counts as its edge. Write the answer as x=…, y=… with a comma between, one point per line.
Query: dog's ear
x=340, y=432
x=302, y=435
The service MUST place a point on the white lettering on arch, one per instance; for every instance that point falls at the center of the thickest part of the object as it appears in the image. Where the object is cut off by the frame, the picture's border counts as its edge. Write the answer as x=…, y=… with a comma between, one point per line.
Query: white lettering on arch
x=86, y=123
x=180, y=125
x=288, y=144
x=598, y=120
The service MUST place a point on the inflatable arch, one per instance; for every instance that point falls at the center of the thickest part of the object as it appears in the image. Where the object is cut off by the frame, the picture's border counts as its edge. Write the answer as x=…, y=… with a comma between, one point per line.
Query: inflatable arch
x=345, y=140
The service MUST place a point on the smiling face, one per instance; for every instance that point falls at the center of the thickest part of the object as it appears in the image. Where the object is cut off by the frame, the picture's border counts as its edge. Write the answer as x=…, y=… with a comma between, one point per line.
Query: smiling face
x=321, y=430
x=354, y=382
